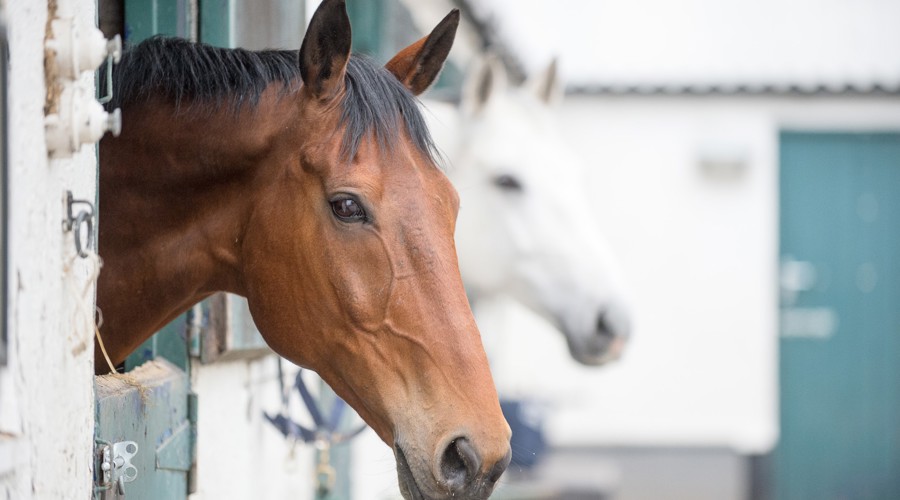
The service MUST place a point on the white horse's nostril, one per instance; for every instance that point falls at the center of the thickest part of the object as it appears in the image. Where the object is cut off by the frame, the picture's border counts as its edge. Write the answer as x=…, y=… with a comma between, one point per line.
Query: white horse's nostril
x=603, y=326
x=613, y=322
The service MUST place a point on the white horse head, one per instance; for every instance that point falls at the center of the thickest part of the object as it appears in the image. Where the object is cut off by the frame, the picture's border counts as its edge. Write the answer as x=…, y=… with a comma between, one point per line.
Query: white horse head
x=527, y=226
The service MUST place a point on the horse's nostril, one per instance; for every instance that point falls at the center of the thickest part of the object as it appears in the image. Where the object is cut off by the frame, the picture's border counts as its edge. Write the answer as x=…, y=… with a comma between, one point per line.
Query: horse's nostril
x=459, y=464
x=603, y=325
x=613, y=322
x=498, y=468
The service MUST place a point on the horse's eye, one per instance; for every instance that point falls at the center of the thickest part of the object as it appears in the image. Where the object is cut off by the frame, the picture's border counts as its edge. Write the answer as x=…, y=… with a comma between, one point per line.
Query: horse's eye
x=348, y=210
x=507, y=183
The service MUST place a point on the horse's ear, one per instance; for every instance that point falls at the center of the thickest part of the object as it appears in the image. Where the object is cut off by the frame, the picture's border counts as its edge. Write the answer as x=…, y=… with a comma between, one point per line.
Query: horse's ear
x=485, y=81
x=418, y=65
x=546, y=85
x=326, y=50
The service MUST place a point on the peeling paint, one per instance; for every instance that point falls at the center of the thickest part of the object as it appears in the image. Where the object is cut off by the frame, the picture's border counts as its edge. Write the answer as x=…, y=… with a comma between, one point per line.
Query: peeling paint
x=54, y=89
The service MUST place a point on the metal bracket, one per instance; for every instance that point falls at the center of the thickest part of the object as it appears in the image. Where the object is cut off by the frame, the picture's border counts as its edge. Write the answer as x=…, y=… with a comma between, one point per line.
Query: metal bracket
x=74, y=223
x=114, y=55
x=116, y=468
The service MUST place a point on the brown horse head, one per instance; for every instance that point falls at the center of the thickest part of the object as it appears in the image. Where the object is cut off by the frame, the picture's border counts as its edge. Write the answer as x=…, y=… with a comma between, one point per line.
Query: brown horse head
x=323, y=205
x=366, y=289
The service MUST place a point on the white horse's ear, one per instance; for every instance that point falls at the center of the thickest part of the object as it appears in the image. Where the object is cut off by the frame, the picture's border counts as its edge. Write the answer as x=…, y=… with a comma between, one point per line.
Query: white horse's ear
x=485, y=81
x=546, y=85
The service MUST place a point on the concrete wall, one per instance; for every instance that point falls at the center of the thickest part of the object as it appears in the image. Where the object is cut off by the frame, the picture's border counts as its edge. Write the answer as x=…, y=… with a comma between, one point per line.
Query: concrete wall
x=46, y=402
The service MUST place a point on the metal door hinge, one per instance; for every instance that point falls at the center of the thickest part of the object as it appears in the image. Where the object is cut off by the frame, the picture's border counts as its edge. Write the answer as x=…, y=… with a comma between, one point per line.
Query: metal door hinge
x=115, y=467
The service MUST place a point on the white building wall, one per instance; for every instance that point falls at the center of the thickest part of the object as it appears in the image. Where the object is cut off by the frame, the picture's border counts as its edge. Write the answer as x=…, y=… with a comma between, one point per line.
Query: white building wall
x=701, y=253
x=46, y=401
x=239, y=454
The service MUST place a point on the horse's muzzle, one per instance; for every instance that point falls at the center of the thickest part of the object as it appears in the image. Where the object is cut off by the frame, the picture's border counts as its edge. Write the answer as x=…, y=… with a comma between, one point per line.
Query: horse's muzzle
x=605, y=342
x=461, y=473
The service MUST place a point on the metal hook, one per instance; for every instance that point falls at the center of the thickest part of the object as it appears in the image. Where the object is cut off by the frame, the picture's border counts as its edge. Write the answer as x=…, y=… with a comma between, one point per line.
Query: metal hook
x=83, y=218
x=114, y=55
x=74, y=224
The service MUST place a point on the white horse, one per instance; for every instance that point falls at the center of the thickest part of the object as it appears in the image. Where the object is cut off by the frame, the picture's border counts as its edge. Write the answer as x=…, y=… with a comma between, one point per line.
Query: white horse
x=526, y=226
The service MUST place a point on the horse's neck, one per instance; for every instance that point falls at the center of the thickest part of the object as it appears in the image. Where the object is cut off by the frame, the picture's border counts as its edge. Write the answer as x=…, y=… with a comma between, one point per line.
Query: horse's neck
x=175, y=195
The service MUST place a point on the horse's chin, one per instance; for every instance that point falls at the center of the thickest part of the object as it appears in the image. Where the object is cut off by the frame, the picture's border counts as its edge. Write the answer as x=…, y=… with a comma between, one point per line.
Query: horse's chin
x=595, y=351
x=408, y=486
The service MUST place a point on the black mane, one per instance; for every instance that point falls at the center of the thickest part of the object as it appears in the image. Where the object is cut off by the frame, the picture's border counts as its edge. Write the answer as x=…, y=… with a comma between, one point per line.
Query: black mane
x=198, y=78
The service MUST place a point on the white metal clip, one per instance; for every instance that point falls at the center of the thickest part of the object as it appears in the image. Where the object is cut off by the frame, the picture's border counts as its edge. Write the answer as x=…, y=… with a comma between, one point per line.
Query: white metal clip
x=116, y=467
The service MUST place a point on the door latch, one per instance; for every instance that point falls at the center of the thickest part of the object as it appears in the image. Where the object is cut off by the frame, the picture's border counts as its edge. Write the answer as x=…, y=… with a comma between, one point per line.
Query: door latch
x=115, y=468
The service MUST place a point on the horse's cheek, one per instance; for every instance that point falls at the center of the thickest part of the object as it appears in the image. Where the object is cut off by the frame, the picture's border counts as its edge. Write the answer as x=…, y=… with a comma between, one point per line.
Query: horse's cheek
x=361, y=280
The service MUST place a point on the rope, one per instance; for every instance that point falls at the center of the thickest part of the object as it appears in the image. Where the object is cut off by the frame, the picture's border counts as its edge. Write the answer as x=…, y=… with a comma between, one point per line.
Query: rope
x=83, y=302
x=109, y=363
x=82, y=299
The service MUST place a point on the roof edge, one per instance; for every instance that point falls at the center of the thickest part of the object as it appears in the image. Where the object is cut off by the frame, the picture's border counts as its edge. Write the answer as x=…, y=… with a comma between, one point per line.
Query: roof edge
x=816, y=90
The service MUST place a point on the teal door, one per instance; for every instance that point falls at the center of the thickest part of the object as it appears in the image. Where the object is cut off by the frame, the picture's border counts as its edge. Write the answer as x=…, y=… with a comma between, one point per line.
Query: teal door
x=153, y=415
x=840, y=317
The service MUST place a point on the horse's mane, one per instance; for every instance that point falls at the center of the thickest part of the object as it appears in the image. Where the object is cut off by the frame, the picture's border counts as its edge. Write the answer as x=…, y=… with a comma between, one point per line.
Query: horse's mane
x=200, y=78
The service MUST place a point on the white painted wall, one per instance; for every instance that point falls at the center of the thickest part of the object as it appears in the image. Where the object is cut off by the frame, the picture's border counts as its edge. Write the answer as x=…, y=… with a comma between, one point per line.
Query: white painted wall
x=46, y=400
x=374, y=469
x=701, y=254
x=239, y=454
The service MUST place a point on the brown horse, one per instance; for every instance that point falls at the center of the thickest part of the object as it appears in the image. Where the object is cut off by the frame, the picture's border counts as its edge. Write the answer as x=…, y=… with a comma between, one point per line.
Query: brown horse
x=321, y=203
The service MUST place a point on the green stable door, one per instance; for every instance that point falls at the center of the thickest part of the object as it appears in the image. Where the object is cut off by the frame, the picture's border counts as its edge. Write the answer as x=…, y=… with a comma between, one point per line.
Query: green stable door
x=840, y=317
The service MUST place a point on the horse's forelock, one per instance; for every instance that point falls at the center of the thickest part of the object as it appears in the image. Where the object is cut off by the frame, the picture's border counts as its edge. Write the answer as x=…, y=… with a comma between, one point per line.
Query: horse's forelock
x=375, y=101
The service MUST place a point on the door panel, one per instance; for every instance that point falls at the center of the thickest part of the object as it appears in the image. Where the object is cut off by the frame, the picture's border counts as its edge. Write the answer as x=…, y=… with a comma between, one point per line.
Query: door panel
x=152, y=408
x=840, y=317
x=146, y=18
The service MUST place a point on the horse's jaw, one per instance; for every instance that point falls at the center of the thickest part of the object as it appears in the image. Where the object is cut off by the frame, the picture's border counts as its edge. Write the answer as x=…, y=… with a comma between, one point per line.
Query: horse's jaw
x=596, y=321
